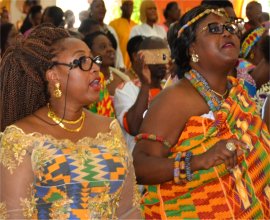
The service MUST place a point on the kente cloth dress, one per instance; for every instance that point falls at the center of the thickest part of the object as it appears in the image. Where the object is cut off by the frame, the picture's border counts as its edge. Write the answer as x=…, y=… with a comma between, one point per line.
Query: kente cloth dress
x=90, y=179
x=216, y=193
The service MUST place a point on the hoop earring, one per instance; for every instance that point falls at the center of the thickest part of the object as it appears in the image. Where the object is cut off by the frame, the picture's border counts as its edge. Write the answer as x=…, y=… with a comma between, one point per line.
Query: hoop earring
x=195, y=58
x=57, y=91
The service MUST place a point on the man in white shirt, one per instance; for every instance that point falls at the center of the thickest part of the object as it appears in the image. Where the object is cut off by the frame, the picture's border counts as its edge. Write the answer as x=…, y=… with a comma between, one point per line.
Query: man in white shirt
x=149, y=18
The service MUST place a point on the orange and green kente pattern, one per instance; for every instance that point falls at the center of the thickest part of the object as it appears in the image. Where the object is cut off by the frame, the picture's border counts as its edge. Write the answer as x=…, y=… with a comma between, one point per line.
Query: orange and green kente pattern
x=216, y=193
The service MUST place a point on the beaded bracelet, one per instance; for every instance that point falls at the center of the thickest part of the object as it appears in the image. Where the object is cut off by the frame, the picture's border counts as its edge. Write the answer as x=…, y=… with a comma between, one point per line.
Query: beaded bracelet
x=183, y=175
x=153, y=137
x=187, y=166
x=176, y=171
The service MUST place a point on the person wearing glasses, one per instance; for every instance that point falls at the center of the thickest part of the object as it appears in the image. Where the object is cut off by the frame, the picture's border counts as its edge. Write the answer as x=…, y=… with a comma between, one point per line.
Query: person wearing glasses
x=58, y=160
x=202, y=151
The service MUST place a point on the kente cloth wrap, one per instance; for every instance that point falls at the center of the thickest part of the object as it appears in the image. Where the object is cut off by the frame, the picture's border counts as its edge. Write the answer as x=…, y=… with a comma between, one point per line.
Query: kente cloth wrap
x=217, y=193
x=105, y=104
x=82, y=180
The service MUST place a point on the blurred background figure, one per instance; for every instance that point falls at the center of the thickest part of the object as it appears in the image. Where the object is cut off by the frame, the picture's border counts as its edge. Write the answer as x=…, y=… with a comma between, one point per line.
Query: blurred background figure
x=265, y=20
x=8, y=35
x=98, y=12
x=83, y=15
x=88, y=26
x=226, y=4
x=249, y=45
x=27, y=5
x=4, y=15
x=69, y=20
x=123, y=26
x=149, y=19
x=35, y=16
x=171, y=14
x=102, y=44
x=253, y=13
x=53, y=15
x=133, y=99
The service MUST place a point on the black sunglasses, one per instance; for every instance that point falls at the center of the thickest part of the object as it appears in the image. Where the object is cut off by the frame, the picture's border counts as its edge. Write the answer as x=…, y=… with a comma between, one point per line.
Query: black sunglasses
x=85, y=63
x=217, y=28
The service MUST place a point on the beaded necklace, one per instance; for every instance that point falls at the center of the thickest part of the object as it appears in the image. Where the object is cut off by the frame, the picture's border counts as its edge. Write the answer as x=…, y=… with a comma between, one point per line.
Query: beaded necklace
x=110, y=79
x=204, y=89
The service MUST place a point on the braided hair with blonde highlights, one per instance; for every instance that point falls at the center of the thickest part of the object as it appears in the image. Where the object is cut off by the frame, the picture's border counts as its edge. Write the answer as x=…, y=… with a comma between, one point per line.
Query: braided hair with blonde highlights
x=23, y=84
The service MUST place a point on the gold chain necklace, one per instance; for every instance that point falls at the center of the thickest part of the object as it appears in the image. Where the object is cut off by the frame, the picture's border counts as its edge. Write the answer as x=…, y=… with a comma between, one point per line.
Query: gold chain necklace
x=222, y=96
x=60, y=121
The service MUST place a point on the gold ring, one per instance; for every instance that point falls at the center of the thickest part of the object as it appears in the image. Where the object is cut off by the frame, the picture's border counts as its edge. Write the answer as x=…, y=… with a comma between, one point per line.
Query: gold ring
x=231, y=146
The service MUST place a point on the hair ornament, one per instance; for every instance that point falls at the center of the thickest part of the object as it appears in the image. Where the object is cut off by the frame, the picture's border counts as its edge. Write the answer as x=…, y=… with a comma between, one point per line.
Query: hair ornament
x=220, y=12
x=250, y=41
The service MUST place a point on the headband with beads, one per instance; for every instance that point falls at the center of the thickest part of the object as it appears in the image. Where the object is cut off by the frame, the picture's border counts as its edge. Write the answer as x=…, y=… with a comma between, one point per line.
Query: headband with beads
x=220, y=12
x=250, y=41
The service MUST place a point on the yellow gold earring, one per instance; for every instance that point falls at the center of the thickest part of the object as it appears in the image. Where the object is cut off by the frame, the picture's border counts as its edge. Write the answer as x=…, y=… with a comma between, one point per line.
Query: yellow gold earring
x=195, y=58
x=57, y=91
x=251, y=56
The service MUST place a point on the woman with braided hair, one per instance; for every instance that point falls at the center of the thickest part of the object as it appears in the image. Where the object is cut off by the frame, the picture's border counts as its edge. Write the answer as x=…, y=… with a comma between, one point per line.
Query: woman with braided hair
x=58, y=160
x=203, y=151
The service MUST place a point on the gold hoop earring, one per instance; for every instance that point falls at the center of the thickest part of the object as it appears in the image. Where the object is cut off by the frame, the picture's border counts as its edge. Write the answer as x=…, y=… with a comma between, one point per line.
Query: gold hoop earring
x=57, y=91
x=195, y=58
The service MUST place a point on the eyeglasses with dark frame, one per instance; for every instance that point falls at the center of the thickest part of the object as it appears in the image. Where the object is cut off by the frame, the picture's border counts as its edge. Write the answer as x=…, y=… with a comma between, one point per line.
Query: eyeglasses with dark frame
x=238, y=21
x=217, y=28
x=84, y=63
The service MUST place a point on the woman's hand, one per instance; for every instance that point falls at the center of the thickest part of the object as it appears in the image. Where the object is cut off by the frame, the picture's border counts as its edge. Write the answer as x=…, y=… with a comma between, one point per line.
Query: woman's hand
x=142, y=69
x=224, y=151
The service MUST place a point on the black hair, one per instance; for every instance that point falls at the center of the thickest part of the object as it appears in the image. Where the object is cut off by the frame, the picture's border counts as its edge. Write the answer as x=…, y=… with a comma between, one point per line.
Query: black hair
x=27, y=23
x=264, y=16
x=147, y=41
x=5, y=30
x=180, y=45
x=34, y=10
x=31, y=2
x=169, y=6
x=86, y=25
x=89, y=39
x=217, y=3
x=133, y=45
x=254, y=3
x=172, y=34
x=112, y=39
x=56, y=14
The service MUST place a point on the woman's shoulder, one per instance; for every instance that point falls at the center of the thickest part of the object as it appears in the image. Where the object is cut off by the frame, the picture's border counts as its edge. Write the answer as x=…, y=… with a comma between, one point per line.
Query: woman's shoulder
x=15, y=144
x=104, y=125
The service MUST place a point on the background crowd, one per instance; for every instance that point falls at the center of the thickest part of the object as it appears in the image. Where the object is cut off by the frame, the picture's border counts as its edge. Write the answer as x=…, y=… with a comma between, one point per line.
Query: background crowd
x=135, y=120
